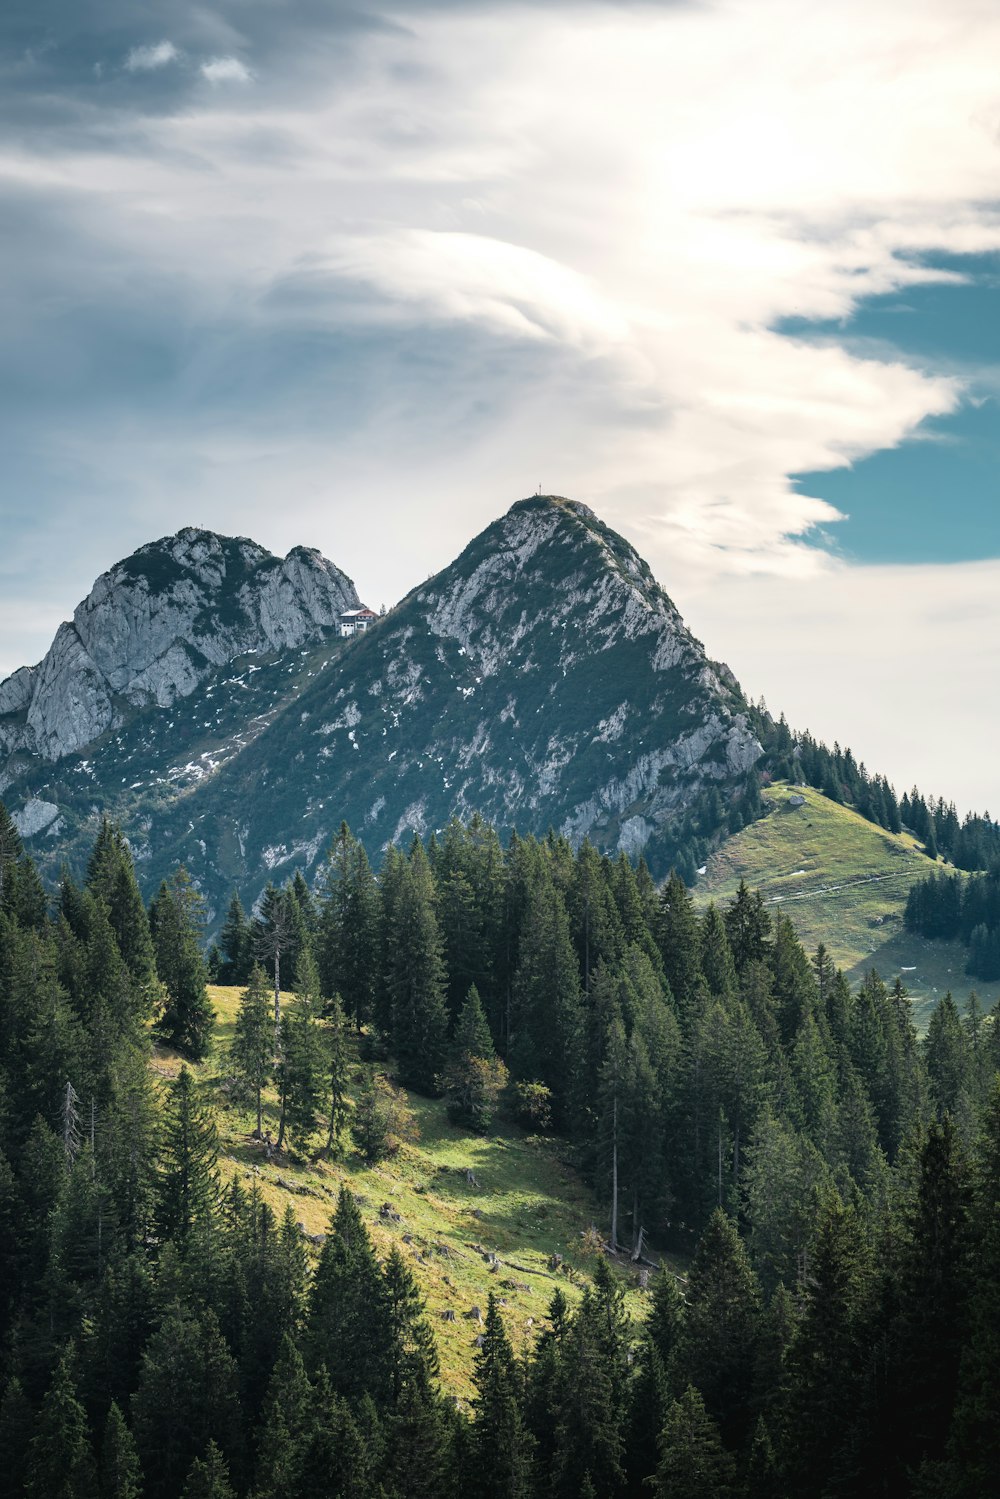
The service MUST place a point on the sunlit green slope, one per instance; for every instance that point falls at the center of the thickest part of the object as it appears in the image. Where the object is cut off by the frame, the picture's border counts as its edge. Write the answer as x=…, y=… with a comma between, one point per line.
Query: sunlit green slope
x=843, y=881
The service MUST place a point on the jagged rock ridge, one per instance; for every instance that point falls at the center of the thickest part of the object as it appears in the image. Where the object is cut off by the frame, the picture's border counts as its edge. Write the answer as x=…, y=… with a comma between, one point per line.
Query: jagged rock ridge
x=156, y=625
x=543, y=679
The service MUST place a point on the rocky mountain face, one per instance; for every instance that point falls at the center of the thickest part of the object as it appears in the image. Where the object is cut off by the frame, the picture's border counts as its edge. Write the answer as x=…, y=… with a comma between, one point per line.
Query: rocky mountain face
x=544, y=679
x=154, y=627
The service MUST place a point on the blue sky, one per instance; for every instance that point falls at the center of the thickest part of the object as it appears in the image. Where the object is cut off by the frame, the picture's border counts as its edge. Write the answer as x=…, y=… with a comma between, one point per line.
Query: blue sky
x=360, y=277
x=936, y=497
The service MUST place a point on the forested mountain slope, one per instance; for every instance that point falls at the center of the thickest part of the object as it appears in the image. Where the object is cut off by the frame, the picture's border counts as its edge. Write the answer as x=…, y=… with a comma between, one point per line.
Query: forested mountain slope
x=230, y=1283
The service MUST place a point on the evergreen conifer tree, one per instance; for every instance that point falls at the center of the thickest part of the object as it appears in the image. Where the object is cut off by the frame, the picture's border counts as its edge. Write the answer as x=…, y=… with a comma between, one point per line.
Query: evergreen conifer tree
x=208, y=1477
x=474, y=1077
x=337, y=1062
x=301, y=1065
x=251, y=1055
x=187, y=1017
x=348, y=1323
x=500, y=1443
x=111, y=878
x=189, y=1179
x=186, y=1398
x=693, y=1462
x=235, y=943
x=121, y=1475
x=61, y=1459
x=415, y=978
x=722, y=1326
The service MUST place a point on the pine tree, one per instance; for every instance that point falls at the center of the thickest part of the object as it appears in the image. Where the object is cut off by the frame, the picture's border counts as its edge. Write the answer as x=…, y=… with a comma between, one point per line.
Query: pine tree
x=235, y=942
x=648, y=1403
x=286, y=1427
x=589, y=1398
x=827, y=1409
x=678, y=939
x=722, y=1326
x=693, y=1462
x=612, y=1106
x=337, y=1062
x=594, y=919
x=499, y=1441
x=474, y=1077
x=189, y=1180
x=11, y=851
x=748, y=927
x=716, y=955
x=416, y=1436
x=545, y=1027
x=274, y=940
x=301, y=1064
x=187, y=1018
x=946, y=1051
x=349, y=929
x=209, y=1477
x=185, y=1399
x=17, y=1425
x=348, y=1324
x=415, y=978
x=934, y=1271
x=60, y=1459
x=121, y=1476
x=111, y=878
x=251, y=1055
x=974, y=1439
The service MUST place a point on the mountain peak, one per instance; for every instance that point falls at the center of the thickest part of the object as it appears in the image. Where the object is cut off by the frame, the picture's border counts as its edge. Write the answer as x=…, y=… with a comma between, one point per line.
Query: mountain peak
x=543, y=679
x=156, y=623
x=548, y=502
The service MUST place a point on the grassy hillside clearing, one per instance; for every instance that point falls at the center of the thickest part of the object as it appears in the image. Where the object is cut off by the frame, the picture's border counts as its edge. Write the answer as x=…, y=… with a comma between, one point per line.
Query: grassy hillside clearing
x=842, y=881
x=528, y=1203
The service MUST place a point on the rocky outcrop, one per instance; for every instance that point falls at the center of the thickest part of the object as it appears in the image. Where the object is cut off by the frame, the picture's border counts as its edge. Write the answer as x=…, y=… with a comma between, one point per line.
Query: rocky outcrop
x=544, y=679
x=154, y=626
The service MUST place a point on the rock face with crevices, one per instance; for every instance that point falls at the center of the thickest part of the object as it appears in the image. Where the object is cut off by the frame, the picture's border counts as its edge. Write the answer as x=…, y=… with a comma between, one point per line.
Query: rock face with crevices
x=543, y=680
x=155, y=626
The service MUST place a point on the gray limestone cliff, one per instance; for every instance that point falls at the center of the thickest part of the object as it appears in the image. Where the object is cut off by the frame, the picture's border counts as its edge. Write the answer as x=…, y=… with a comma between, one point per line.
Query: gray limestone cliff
x=155, y=626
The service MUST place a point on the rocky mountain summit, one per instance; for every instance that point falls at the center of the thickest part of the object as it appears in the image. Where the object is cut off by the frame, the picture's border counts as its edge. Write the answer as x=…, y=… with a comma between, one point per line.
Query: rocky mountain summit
x=543, y=679
x=155, y=626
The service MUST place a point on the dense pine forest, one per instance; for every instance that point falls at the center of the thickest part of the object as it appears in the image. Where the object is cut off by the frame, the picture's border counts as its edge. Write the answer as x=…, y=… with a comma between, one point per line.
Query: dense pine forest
x=830, y=1180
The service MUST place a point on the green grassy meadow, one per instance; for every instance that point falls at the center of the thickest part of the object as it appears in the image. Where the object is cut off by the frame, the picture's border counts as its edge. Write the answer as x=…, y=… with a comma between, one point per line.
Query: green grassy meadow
x=530, y=1203
x=842, y=881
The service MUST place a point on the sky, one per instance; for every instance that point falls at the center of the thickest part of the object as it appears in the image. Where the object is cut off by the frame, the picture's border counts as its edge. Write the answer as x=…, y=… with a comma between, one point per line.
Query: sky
x=359, y=278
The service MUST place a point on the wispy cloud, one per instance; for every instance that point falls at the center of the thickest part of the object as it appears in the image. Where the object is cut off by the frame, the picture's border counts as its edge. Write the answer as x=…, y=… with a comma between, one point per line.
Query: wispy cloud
x=147, y=59
x=226, y=70
x=427, y=262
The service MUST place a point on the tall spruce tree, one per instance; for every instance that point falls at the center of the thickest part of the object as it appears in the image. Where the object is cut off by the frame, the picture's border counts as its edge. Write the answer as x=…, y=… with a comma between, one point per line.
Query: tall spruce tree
x=121, y=1474
x=61, y=1459
x=187, y=1017
x=235, y=943
x=188, y=1189
x=500, y=1445
x=301, y=1065
x=722, y=1327
x=251, y=1055
x=415, y=977
x=693, y=1462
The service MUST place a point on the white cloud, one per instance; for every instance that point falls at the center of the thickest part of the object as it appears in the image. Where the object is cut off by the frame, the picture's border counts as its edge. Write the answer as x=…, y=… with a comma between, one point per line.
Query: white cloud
x=898, y=662
x=554, y=244
x=647, y=192
x=148, y=59
x=225, y=70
